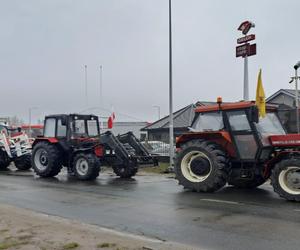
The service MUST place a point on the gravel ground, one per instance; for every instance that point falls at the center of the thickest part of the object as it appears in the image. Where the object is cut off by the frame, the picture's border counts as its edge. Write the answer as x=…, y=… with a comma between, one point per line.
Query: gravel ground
x=27, y=230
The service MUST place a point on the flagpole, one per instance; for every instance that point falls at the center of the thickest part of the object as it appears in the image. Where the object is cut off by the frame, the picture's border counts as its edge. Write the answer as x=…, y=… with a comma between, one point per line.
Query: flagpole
x=86, y=85
x=101, y=87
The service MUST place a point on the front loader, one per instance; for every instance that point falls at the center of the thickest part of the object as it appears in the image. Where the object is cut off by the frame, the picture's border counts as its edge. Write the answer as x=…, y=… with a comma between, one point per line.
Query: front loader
x=14, y=147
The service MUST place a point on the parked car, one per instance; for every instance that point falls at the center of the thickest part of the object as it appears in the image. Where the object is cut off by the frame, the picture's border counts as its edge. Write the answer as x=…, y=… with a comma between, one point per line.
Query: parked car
x=157, y=147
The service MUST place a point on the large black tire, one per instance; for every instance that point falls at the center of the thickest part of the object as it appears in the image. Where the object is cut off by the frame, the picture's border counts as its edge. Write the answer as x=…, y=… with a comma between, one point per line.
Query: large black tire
x=201, y=166
x=281, y=182
x=46, y=159
x=23, y=162
x=247, y=183
x=126, y=171
x=4, y=160
x=86, y=166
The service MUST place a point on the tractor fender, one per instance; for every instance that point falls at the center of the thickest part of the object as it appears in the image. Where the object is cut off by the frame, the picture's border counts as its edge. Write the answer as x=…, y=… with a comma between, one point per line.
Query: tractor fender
x=45, y=139
x=269, y=165
x=221, y=138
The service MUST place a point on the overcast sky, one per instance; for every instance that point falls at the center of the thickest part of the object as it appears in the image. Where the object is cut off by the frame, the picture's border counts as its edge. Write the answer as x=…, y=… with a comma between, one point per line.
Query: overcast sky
x=46, y=43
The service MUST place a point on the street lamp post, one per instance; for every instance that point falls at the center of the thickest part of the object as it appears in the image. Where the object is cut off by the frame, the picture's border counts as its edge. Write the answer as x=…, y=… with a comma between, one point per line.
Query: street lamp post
x=158, y=110
x=29, y=119
x=171, y=127
x=296, y=78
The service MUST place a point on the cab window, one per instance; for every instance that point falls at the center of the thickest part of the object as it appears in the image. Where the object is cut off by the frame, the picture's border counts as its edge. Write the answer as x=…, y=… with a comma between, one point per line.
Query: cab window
x=212, y=121
x=61, y=129
x=238, y=121
x=50, y=127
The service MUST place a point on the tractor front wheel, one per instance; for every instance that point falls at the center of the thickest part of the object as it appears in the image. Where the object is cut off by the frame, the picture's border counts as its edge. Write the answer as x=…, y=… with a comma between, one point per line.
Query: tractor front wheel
x=126, y=171
x=4, y=160
x=86, y=166
x=46, y=159
x=23, y=162
x=285, y=179
x=201, y=166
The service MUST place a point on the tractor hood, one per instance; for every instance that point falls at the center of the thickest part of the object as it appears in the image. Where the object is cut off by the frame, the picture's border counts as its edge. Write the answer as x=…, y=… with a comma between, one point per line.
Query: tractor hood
x=289, y=140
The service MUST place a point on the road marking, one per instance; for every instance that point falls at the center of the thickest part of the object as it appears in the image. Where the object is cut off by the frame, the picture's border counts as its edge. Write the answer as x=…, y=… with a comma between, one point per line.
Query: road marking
x=222, y=201
x=297, y=210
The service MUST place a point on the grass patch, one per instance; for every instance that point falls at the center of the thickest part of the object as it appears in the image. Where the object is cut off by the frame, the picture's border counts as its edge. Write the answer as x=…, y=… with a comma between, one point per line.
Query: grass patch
x=8, y=244
x=71, y=245
x=106, y=245
x=160, y=169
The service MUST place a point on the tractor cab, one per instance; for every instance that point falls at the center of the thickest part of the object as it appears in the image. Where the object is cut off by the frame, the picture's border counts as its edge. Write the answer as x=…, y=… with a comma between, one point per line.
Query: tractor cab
x=249, y=135
x=71, y=127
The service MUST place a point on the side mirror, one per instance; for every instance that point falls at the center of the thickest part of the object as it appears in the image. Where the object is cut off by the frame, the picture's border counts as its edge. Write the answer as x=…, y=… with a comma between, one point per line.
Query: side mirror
x=254, y=114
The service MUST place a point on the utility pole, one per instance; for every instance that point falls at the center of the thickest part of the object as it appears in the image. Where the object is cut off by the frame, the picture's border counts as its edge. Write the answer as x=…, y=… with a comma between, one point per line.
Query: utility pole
x=86, y=85
x=29, y=119
x=171, y=128
x=296, y=78
x=158, y=110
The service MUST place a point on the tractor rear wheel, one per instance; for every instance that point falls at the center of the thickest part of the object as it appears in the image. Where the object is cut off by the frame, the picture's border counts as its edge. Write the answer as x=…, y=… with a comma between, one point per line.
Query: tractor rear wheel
x=86, y=166
x=285, y=179
x=126, y=171
x=201, y=166
x=4, y=160
x=46, y=159
x=23, y=162
x=256, y=181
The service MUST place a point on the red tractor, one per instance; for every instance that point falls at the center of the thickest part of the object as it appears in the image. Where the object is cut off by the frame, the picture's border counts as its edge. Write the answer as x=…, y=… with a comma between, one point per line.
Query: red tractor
x=229, y=143
x=74, y=141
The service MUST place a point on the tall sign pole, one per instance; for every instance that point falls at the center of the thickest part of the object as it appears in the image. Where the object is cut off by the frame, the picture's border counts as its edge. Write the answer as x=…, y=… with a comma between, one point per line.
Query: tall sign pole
x=246, y=79
x=245, y=50
x=171, y=128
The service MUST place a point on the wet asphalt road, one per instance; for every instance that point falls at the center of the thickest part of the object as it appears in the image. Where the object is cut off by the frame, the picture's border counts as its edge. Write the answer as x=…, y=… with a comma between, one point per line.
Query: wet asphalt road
x=155, y=206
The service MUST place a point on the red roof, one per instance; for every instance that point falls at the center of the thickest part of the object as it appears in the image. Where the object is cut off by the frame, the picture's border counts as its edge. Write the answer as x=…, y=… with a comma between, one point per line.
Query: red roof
x=230, y=106
x=32, y=126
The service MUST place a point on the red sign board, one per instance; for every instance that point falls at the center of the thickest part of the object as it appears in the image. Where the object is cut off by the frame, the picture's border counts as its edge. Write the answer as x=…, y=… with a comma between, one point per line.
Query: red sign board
x=245, y=50
x=246, y=39
x=241, y=50
x=252, y=50
x=245, y=27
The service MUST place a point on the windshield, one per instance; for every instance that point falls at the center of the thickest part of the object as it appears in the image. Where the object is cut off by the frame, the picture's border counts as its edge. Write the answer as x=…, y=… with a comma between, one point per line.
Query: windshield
x=270, y=125
x=86, y=128
x=208, y=122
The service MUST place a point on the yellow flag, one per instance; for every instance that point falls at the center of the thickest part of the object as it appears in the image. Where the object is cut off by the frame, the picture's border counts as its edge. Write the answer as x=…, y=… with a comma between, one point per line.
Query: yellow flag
x=260, y=97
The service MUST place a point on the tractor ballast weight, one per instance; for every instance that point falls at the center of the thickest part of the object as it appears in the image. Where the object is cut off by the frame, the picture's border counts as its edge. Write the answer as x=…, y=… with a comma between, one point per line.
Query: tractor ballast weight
x=75, y=141
x=230, y=144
